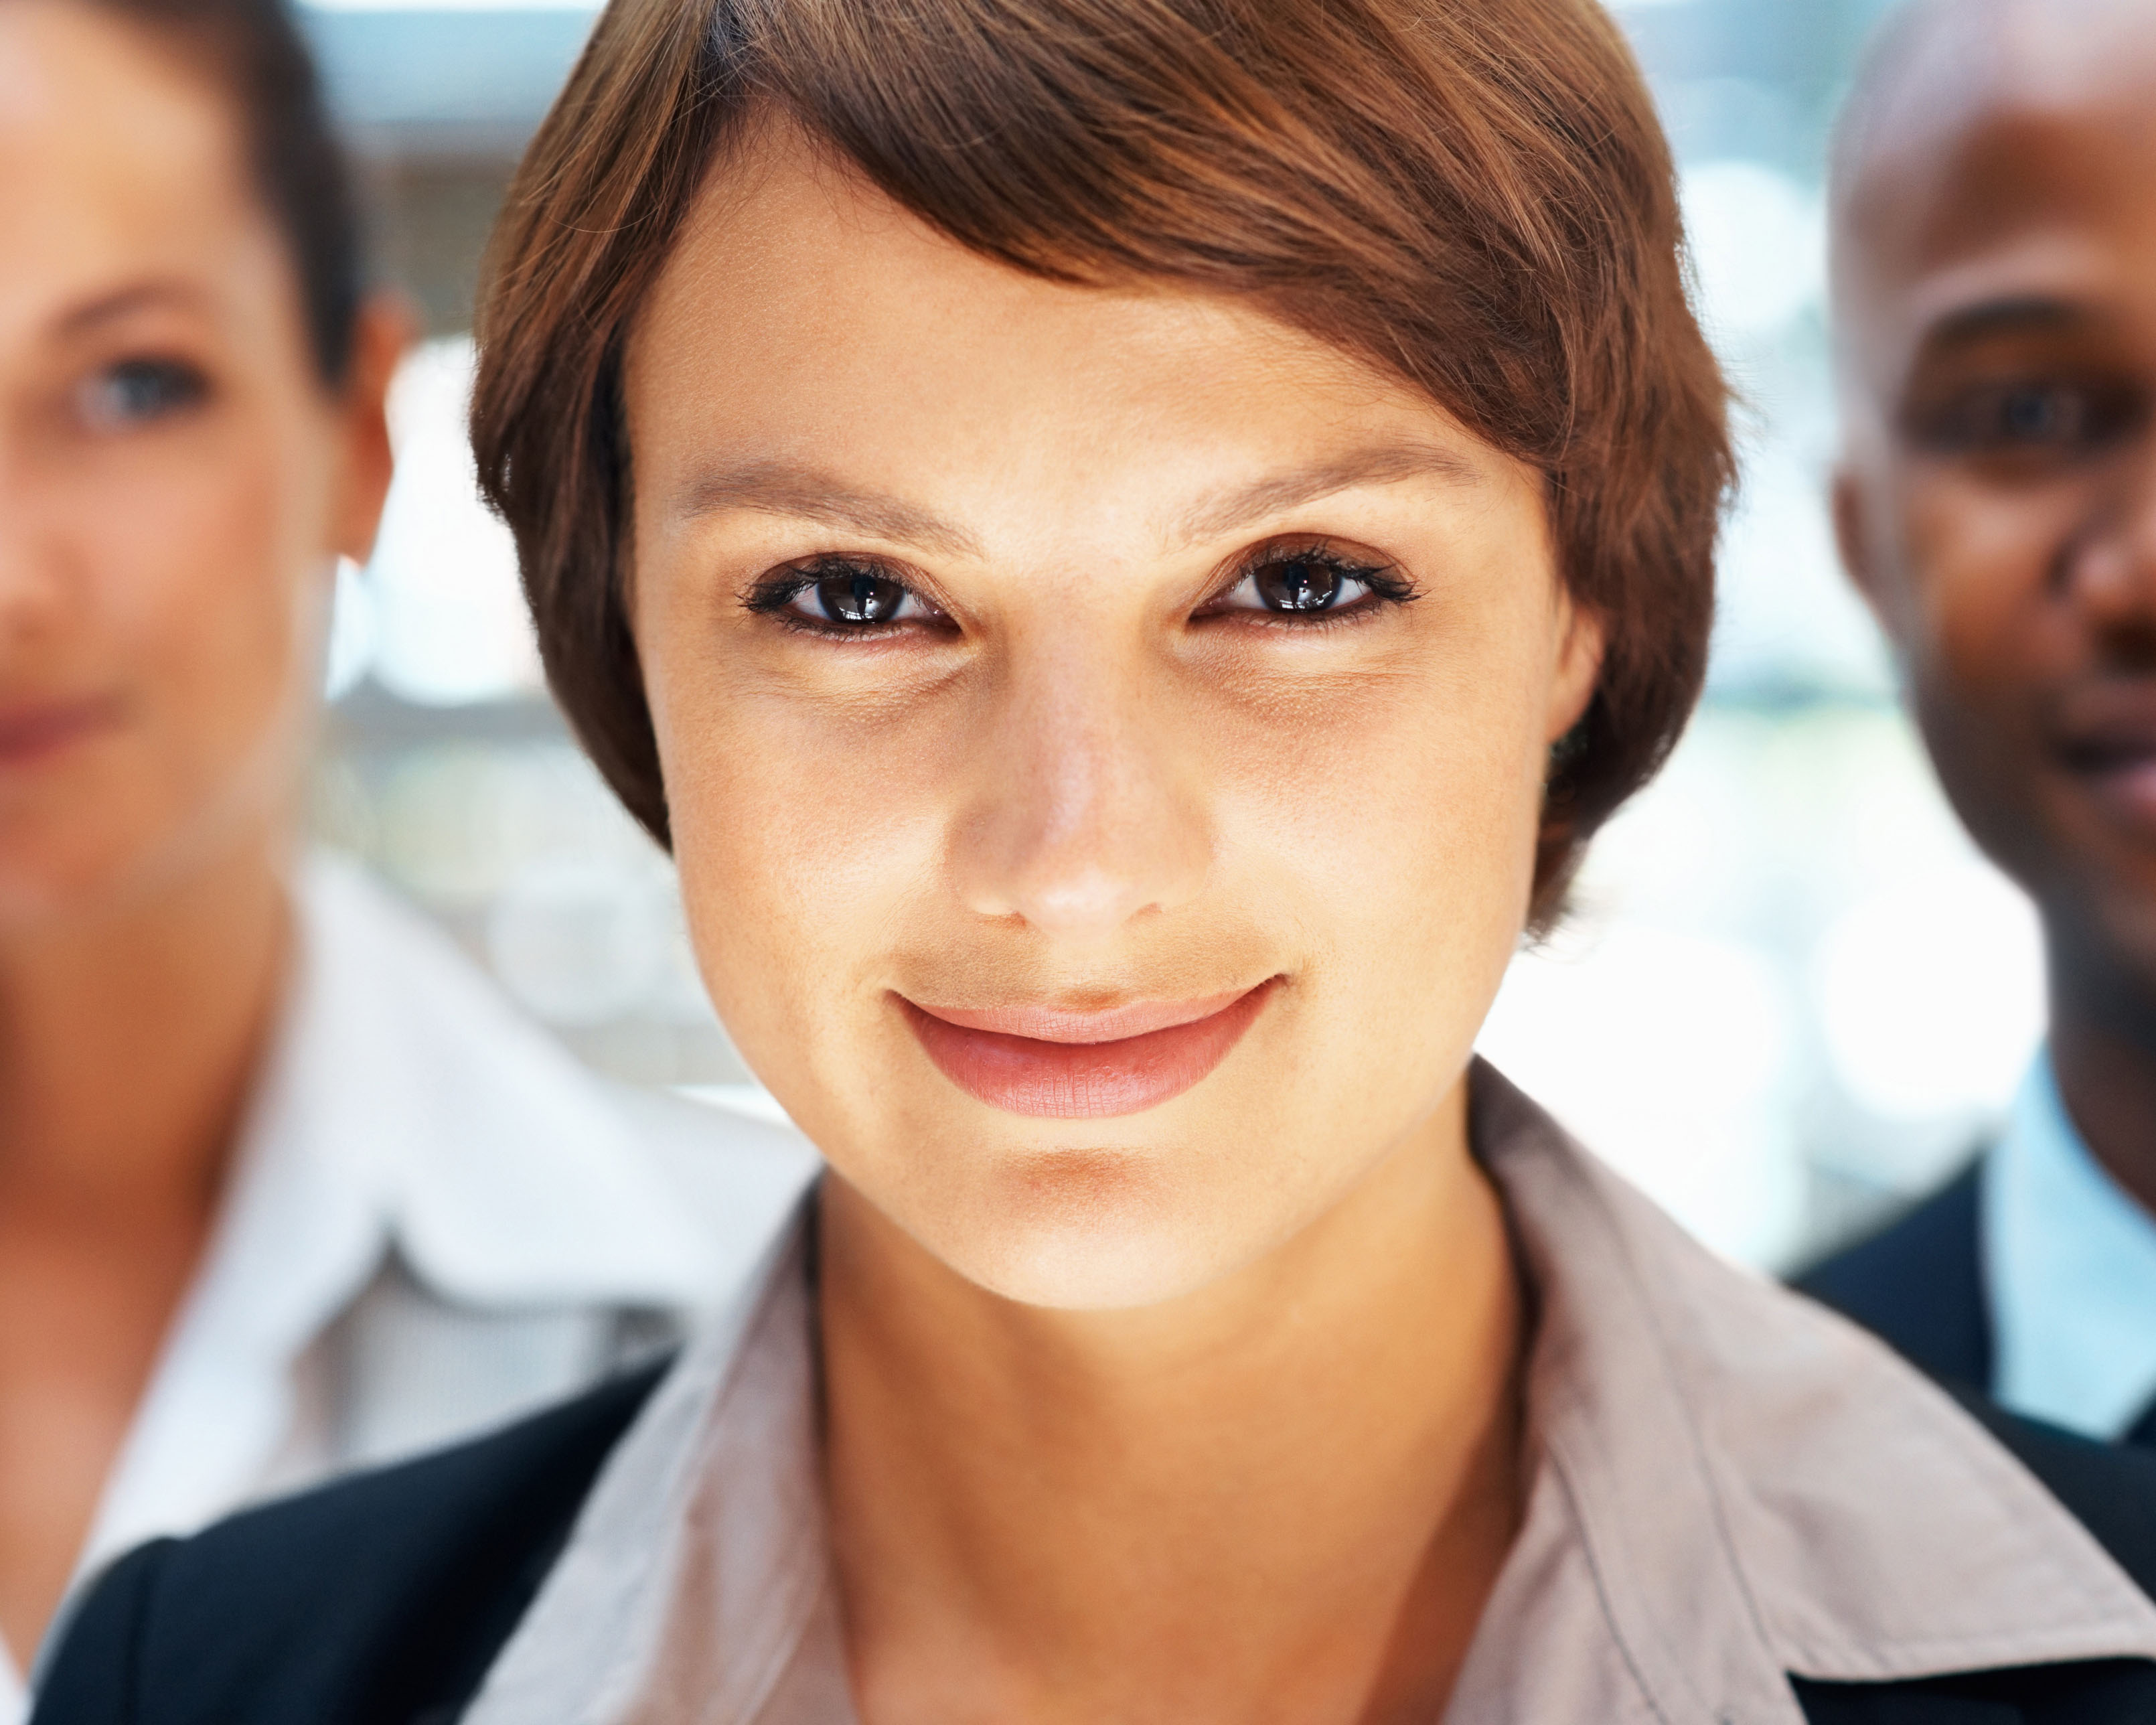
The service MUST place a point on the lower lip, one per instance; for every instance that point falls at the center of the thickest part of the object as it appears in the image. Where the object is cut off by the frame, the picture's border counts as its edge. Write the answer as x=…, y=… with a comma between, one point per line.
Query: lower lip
x=28, y=737
x=2128, y=791
x=1083, y=1080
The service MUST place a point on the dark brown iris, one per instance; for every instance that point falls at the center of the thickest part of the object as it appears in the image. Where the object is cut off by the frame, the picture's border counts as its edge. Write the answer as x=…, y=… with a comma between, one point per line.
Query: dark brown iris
x=1298, y=584
x=859, y=598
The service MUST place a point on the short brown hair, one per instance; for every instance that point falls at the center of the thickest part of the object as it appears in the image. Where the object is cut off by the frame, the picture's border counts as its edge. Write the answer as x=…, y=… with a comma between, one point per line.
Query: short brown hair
x=1472, y=194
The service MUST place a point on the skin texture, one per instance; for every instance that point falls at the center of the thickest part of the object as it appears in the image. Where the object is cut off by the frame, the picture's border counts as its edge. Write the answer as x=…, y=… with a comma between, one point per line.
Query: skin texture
x=1206, y=1410
x=176, y=481
x=1995, y=281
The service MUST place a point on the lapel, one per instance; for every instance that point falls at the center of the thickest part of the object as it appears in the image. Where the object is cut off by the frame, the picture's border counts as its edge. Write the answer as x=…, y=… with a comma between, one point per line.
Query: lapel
x=2112, y=1693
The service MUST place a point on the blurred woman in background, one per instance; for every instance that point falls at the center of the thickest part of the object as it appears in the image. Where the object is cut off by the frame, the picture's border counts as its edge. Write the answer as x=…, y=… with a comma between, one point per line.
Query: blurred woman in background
x=282, y=1186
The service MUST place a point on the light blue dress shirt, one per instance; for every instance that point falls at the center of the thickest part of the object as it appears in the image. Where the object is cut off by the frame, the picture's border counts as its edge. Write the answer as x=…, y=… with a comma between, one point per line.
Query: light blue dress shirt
x=2069, y=1264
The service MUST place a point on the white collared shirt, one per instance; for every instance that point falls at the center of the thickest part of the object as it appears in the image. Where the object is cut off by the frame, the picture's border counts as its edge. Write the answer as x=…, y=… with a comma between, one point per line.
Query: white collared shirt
x=436, y=1221
x=1732, y=1485
x=2070, y=1270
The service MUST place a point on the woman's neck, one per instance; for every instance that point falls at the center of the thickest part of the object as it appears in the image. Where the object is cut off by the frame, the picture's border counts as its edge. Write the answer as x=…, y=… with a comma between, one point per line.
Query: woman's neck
x=131, y=1032
x=1286, y=1497
x=129, y=1039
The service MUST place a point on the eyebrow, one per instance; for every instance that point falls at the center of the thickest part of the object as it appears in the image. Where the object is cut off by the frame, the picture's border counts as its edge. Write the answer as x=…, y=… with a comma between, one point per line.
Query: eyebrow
x=120, y=302
x=783, y=488
x=800, y=493
x=2020, y=316
x=1382, y=465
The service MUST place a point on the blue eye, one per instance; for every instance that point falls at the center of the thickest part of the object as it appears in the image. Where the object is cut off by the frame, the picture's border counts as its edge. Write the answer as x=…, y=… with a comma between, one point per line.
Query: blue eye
x=138, y=392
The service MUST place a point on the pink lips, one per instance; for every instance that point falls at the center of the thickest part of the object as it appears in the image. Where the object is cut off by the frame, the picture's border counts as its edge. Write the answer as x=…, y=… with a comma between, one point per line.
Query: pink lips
x=1057, y=1063
x=29, y=734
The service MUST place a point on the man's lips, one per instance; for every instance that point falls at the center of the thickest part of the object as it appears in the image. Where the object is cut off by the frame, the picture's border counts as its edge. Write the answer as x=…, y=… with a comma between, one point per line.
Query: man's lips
x=2103, y=733
x=30, y=732
x=1060, y=1064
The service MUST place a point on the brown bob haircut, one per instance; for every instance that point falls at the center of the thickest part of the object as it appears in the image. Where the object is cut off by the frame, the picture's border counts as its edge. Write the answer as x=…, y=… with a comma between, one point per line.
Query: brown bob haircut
x=1472, y=195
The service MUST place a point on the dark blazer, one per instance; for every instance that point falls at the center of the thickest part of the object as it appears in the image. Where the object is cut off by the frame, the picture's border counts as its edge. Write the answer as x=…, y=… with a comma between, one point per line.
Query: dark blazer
x=383, y=1599
x=1918, y=1286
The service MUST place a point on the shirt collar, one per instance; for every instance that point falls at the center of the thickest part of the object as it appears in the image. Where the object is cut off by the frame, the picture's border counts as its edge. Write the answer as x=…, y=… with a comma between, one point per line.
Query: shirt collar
x=1732, y=1485
x=2069, y=1264
x=405, y=1090
x=402, y=1108
x=1755, y=1487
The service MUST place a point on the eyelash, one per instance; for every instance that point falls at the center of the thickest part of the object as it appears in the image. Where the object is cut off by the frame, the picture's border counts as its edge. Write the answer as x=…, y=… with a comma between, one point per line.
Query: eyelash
x=1383, y=586
x=775, y=595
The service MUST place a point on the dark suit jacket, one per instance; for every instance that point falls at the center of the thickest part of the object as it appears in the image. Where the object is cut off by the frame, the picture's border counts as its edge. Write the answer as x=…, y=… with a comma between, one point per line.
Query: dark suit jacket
x=1918, y=1286
x=383, y=1599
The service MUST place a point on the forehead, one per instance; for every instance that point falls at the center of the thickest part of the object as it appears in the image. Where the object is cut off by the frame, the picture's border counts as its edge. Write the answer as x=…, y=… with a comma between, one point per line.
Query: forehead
x=2010, y=145
x=113, y=160
x=804, y=316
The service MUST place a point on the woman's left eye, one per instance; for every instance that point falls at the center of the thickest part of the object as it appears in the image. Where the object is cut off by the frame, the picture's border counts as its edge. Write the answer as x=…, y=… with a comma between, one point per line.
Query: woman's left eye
x=136, y=392
x=1302, y=584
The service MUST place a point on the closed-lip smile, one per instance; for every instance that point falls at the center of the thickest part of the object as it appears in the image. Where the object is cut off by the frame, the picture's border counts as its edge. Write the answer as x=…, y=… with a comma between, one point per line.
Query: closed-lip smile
x=1067, y=1063
x=2104, y=734
x=31, y=731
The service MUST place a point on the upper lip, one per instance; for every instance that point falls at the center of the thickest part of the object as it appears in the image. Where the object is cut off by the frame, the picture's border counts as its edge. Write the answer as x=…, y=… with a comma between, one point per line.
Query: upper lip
x=1051, y=1023
x=32, y=722
x=2104, y=726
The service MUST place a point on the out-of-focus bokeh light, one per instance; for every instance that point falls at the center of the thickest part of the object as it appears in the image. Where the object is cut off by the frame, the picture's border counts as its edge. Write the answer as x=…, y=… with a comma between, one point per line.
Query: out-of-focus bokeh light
x=353, y=633
x=1929, y=992
x=450, y=623
x=1579, y=1021
x=1758, y=246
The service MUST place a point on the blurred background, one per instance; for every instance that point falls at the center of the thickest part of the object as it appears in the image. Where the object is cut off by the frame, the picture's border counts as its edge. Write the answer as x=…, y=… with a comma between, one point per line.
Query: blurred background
x=1792, y=996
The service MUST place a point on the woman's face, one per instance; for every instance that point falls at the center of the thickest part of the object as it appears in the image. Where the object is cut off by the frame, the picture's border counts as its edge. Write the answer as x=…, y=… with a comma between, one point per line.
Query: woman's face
x=1104, y=731
x=175, y=480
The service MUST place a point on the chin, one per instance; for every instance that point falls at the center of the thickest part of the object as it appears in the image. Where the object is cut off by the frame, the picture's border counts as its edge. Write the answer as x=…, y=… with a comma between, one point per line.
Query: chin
x=69, y=873
x=1084, y=1230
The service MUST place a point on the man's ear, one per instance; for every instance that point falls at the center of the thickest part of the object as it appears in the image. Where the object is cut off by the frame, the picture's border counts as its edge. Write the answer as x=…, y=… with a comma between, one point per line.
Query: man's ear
x=384, y=328
x=1852, y=539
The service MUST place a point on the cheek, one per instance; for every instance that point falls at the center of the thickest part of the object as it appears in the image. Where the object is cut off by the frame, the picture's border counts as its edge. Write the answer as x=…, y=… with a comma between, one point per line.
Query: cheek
x=1414, y=789
x=1400, y=815
x=189, y=572
x=216, y=586
x=203, y=578
x=1988, y=641
x=801, y=835
x=1978, y=560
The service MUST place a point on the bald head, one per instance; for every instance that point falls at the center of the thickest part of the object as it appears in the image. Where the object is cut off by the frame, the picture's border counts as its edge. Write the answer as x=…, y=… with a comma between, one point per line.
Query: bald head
x=1972, y=120
x=1994, y=287
x=1936, y=65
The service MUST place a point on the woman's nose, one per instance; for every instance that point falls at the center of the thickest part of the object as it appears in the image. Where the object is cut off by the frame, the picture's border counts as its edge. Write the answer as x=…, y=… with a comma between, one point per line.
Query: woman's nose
x=1084, y=810
x=32, y=587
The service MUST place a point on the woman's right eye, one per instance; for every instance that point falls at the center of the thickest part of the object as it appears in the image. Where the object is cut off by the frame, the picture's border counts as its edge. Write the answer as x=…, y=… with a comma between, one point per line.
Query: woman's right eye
x=139, y=392
x=842, y=598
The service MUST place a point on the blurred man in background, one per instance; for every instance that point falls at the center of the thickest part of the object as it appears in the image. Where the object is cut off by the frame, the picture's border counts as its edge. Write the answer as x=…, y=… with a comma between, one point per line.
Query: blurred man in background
x=284, y=1187
x=1995, y=279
